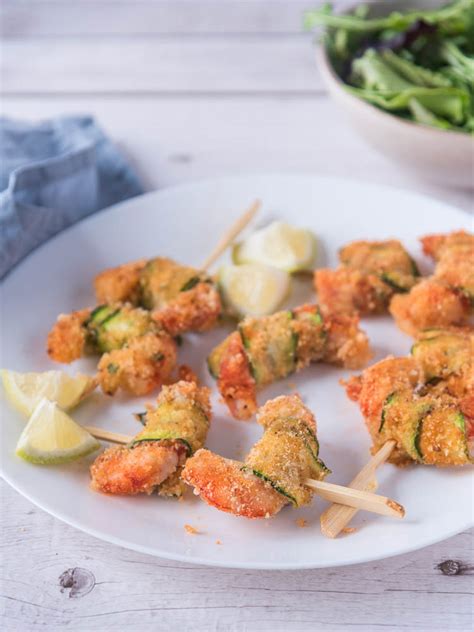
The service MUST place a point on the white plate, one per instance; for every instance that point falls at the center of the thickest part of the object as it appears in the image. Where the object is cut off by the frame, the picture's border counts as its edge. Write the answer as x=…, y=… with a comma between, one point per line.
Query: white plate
x=185, y=222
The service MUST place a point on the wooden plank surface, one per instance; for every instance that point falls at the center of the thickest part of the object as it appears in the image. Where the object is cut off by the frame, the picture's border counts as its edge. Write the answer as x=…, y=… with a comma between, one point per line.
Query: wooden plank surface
x=46, y=18
x=193, y=89
x=160, y=65
x=176, y=139
x=58, y=578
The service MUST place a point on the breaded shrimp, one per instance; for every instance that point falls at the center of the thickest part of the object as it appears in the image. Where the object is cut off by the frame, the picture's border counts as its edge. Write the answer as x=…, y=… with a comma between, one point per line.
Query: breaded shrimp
x=435, y=246
x=139, y=367
x=138, y=355
x=181, y=298
x=235, y=381
x=372, y=388
x=225, y=485
x=153, y=460
x=370, y=273
x=347, y=344
x=138, y=470
x=446, y=359
x=195, y=310
x=426, y=422
x=447, y=297
x=275, y=470
x=348, y=291
x=67, y=339
x=266, y=349
x=120, y=284
x=429, y=304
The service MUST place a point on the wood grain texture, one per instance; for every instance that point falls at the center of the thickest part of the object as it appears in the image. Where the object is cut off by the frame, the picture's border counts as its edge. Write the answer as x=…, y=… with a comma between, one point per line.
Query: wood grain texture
x=55, y=577
x=173, y=139
x=49, y=18
x=160, y=65
x=189, y=90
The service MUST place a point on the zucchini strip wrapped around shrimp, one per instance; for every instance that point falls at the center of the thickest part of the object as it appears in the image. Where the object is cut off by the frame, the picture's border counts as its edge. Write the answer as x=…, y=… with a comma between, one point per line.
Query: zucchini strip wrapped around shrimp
x=174, y=430
x=273, y=474
x=137, y=354
x=423, y=402
x=371, y=272
x=447, y=297
x=266, y=349
x=181, y=298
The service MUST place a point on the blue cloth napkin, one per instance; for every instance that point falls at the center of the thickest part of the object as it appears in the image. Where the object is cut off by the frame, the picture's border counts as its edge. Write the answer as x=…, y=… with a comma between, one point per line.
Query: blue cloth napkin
x=53, y=174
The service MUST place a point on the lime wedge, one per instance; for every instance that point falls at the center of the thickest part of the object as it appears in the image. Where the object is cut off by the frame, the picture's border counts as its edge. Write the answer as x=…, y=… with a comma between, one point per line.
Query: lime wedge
x=253, y=289
x=25, y=390
x=52, y=437
x=279, y=245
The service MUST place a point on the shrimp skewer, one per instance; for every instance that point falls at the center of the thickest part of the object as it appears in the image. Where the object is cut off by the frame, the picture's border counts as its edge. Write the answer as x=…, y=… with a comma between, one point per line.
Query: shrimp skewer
x=418, y=409
x=181, y=298
x=447, y=297
x=266, y=349
x=153, y=460
x=422, y=402
x=371, y=272
x=137, y=355
x=275, y=471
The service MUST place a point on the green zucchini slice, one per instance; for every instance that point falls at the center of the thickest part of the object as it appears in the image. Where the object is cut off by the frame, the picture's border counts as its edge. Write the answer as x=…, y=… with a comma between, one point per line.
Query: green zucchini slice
x=119, y=327
x=270, y=345
x=214, y=359
x=442, y=437
x=442, y=353
x=170, y=421
x=276, y=487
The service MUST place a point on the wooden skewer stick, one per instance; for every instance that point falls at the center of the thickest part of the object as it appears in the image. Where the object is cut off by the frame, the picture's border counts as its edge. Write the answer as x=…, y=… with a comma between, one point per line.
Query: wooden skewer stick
x=105, y=435
x=357, y=498
x=338, y=516
x=231, y=234
x=334, y=493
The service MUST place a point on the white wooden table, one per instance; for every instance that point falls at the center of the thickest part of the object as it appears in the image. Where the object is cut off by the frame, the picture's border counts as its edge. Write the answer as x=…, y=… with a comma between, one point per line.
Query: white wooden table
x=192, y=90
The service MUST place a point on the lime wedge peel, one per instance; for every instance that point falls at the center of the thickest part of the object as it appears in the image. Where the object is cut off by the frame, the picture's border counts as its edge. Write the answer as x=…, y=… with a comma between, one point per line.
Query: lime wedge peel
x=51, y=437
x=253, y=289
x=25, y=390
x=279, y=245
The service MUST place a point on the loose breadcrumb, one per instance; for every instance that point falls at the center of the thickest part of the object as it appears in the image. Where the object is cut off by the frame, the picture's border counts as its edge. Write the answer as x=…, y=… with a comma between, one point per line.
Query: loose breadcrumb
x=302, y=523
x=191, y=530
x=349, y=530
x=218, y=542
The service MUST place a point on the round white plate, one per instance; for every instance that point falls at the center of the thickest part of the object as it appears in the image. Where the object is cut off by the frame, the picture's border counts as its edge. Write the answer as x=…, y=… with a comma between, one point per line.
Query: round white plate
x=185, y=223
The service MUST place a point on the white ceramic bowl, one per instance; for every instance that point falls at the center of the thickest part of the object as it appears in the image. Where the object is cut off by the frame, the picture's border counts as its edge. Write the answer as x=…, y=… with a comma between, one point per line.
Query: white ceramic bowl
x=443, y=156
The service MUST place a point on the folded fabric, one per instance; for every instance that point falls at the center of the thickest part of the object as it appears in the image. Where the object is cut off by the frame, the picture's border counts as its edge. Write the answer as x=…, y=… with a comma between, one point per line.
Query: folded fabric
x=52, y=174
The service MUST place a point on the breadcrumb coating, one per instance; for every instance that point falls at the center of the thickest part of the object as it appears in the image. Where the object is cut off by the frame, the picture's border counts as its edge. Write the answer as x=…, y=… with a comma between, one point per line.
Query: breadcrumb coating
x=447, y=297
x=265, y=349
x=275, y=470
x=423, y=402
x=181, y=298
x=120, y=284
x=371, y=272
x=197, y=310
x=138, y=470
x=429, y=304
x=223, y=484
x=140, y=367
x=154, y=459
x=67, y=339
x=138, y=355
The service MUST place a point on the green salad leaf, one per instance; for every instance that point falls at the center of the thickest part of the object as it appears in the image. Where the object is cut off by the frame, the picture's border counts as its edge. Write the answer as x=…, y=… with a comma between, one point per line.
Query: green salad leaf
x=418, y=64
